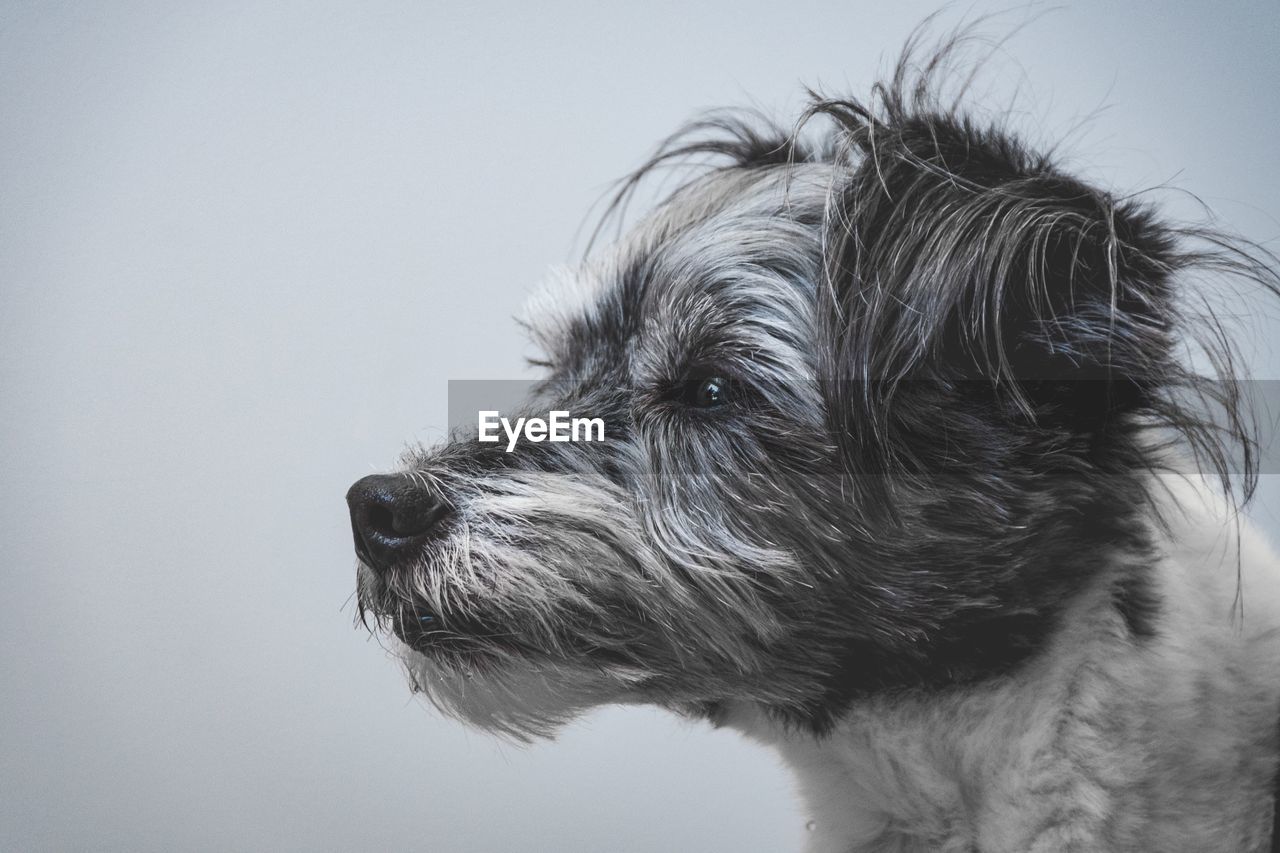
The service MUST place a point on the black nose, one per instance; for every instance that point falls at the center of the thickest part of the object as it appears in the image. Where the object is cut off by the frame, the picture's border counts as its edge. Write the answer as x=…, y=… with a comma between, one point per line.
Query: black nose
x=391, y=517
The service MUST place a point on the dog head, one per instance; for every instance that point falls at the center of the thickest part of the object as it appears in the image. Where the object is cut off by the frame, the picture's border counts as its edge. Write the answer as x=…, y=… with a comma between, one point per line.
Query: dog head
x=876, y=406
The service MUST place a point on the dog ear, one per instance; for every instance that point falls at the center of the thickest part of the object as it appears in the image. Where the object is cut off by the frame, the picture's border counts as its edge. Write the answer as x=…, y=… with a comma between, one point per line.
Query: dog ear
x=957, y=259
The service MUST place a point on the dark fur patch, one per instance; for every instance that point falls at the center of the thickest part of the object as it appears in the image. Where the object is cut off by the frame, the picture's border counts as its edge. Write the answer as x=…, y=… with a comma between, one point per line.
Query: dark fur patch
x=1138, y=605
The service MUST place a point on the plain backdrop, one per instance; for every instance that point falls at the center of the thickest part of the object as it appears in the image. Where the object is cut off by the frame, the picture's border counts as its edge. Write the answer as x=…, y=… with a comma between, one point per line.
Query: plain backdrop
x=243, y=247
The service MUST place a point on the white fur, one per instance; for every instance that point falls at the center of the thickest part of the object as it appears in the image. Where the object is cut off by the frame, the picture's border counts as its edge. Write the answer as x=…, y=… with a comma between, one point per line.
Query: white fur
x=1101, y=744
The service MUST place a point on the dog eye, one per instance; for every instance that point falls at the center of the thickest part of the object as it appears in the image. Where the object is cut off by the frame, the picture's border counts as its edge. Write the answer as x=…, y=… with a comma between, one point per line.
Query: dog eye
x=707, y=393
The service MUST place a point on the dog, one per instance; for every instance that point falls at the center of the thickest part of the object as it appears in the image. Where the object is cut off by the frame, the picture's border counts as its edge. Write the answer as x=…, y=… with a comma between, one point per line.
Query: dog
x=908, y=473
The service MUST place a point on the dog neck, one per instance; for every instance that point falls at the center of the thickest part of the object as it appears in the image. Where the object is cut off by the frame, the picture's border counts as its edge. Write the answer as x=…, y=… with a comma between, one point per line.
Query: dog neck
x=1103, y=741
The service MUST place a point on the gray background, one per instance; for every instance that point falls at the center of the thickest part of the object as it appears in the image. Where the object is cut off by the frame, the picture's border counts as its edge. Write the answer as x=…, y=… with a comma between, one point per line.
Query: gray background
x=243, y=247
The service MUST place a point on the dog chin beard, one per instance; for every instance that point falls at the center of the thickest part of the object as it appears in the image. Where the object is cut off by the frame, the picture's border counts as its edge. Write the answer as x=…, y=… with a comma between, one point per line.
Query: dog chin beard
x=516, y=698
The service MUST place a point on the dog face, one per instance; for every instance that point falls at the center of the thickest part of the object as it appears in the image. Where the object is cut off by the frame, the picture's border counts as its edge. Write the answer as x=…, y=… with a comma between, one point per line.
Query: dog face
x=875, y=408
x=667, y=563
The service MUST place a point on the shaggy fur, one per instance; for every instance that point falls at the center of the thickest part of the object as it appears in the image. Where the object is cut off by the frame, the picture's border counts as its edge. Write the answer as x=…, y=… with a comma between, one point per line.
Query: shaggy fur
x=897, y=421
